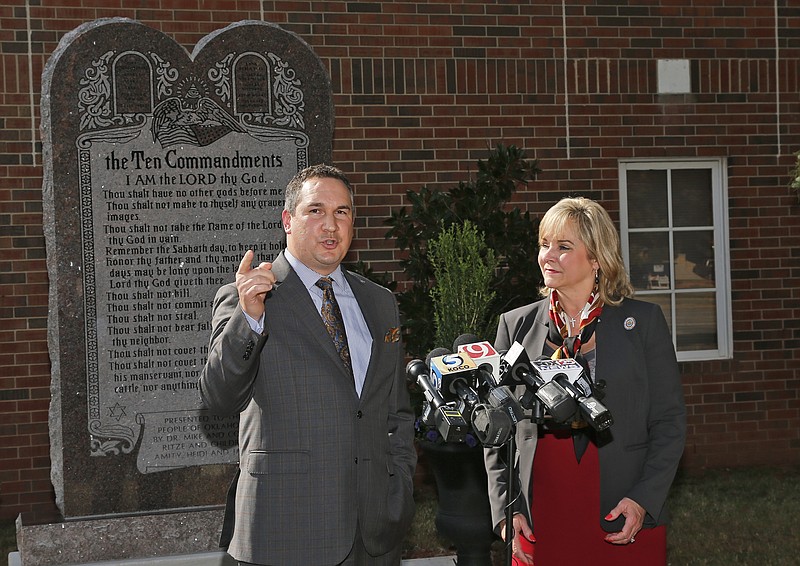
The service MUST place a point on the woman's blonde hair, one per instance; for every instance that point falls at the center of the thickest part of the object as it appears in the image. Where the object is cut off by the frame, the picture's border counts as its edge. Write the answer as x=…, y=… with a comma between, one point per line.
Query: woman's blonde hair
x=595, y=229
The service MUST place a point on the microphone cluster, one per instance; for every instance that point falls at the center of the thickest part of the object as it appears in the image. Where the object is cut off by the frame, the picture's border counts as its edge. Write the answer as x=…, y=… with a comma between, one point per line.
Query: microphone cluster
x=469, y=389
x=557, y=388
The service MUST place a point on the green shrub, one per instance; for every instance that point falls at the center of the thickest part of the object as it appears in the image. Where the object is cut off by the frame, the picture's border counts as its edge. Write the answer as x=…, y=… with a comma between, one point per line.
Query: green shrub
x=463, y=268
x=510, y=234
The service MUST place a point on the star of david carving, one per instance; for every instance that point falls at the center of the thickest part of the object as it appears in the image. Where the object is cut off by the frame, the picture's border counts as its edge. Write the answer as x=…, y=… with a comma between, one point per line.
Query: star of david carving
x=116, y=411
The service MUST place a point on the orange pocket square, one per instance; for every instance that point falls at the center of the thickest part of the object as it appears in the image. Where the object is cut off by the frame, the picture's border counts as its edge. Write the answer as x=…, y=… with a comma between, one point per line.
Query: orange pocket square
x=393, y=335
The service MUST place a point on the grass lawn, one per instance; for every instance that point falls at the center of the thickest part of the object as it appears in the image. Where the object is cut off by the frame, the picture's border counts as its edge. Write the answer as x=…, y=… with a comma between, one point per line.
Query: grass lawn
x=726, y=517
x=735, y=517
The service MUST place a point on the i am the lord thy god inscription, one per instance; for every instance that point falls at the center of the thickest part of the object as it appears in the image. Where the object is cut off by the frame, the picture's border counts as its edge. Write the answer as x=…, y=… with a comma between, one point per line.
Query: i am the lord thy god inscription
x=160, y=172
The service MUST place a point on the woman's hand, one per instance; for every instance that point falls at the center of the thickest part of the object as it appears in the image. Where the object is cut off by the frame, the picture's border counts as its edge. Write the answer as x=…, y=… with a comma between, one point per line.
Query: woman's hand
x=521, y=529
x=634, y=517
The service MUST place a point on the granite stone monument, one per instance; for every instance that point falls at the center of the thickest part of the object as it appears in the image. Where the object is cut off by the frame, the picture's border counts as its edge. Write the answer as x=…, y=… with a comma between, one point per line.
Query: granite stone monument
x=161, y=169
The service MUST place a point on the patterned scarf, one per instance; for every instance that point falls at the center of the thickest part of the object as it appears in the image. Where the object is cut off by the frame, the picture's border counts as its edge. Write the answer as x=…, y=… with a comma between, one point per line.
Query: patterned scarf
x=559, y=330
x=569, y=347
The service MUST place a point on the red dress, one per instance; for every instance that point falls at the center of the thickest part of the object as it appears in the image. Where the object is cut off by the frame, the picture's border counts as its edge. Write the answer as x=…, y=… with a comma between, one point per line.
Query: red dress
x=566, y=512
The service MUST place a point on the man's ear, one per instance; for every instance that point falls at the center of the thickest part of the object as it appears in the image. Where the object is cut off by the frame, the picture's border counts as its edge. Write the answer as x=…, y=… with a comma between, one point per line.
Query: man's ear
x=286, y=220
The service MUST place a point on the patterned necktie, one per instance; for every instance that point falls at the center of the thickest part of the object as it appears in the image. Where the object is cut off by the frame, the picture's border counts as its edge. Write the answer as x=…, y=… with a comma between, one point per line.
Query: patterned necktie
x=332, y=317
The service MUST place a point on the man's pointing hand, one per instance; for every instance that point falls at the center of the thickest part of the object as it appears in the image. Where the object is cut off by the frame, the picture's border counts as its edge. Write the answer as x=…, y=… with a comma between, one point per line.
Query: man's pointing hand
x=253, y=284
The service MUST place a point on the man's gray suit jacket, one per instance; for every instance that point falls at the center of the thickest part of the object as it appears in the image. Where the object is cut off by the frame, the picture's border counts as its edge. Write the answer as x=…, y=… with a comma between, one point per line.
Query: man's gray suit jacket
x=316, y=461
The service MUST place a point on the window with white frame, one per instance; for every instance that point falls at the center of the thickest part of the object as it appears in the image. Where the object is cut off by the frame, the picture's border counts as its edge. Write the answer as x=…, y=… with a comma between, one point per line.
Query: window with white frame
x=674, y=232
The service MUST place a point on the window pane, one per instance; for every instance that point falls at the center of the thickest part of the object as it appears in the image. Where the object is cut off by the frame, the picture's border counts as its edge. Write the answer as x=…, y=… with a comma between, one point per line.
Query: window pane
x=696, y=319
x=649, y=259
x=647, y=198
x=673, y=215
x=691, y=197
x=694, y=259
x=664, y=302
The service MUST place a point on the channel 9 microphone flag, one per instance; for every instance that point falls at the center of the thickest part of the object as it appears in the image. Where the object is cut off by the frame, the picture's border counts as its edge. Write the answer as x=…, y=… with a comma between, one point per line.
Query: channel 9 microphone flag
x=480, y=351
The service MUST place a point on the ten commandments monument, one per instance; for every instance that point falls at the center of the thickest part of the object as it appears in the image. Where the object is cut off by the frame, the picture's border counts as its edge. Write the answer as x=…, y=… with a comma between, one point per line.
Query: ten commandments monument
x=161, y=170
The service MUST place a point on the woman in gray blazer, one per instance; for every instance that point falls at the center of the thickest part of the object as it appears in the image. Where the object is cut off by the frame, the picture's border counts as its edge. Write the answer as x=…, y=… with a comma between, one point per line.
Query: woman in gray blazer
x=590, y=493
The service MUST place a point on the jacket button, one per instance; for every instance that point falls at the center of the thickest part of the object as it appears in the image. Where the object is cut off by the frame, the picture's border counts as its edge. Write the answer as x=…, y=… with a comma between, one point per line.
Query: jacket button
x=248, y=349
x=359, y=414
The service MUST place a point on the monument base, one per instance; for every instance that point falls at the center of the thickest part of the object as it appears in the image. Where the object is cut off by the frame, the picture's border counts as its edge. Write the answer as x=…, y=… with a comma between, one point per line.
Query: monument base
x=220, y=559
x=201, y=559
x=183, y=534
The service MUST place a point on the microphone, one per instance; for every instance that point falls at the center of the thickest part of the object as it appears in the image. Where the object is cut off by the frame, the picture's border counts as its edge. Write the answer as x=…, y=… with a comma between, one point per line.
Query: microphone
x=481, y=352
x=435, y=353
x=484, y=354
x=550, y=396
x=492, y=425
x=448, y=421
x=572, y=370
x=568, y=373
x=453, y=372
x=453, y=375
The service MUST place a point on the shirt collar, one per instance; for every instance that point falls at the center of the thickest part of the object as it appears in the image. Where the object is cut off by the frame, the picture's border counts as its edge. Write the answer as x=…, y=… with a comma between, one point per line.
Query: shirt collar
x=309, y=277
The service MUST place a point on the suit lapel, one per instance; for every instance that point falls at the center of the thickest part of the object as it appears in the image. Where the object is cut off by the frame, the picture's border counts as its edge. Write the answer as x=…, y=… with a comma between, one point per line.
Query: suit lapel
x=532, y=330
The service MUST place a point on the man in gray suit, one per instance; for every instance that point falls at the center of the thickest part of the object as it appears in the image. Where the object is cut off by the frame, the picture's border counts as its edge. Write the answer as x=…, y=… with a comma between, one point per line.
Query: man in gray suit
x=326, y=429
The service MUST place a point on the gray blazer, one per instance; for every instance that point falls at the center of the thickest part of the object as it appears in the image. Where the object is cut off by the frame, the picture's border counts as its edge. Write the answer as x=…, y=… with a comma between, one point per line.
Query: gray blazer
x=316, y=461
x=639, y=458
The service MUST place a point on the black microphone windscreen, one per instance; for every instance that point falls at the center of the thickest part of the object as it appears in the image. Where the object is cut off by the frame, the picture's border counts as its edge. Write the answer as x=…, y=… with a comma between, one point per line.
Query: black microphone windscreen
x=493, y=427
x=465, y=339
x=435, y=353
x=415, y=368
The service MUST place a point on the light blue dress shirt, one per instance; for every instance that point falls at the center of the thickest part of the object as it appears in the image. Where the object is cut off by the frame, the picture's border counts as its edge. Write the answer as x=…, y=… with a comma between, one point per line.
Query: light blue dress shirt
x=359, y=339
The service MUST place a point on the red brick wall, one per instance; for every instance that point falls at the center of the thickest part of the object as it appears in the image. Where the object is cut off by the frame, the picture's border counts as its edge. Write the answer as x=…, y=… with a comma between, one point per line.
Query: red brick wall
x=421, y=89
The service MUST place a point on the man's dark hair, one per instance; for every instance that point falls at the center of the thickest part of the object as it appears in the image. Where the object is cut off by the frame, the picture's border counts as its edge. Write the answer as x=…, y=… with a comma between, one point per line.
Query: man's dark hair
x=320, y=171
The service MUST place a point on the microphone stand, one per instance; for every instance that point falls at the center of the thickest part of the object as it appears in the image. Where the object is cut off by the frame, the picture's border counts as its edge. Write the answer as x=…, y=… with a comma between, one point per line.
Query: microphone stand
x=510, y=531
x=511, y=450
